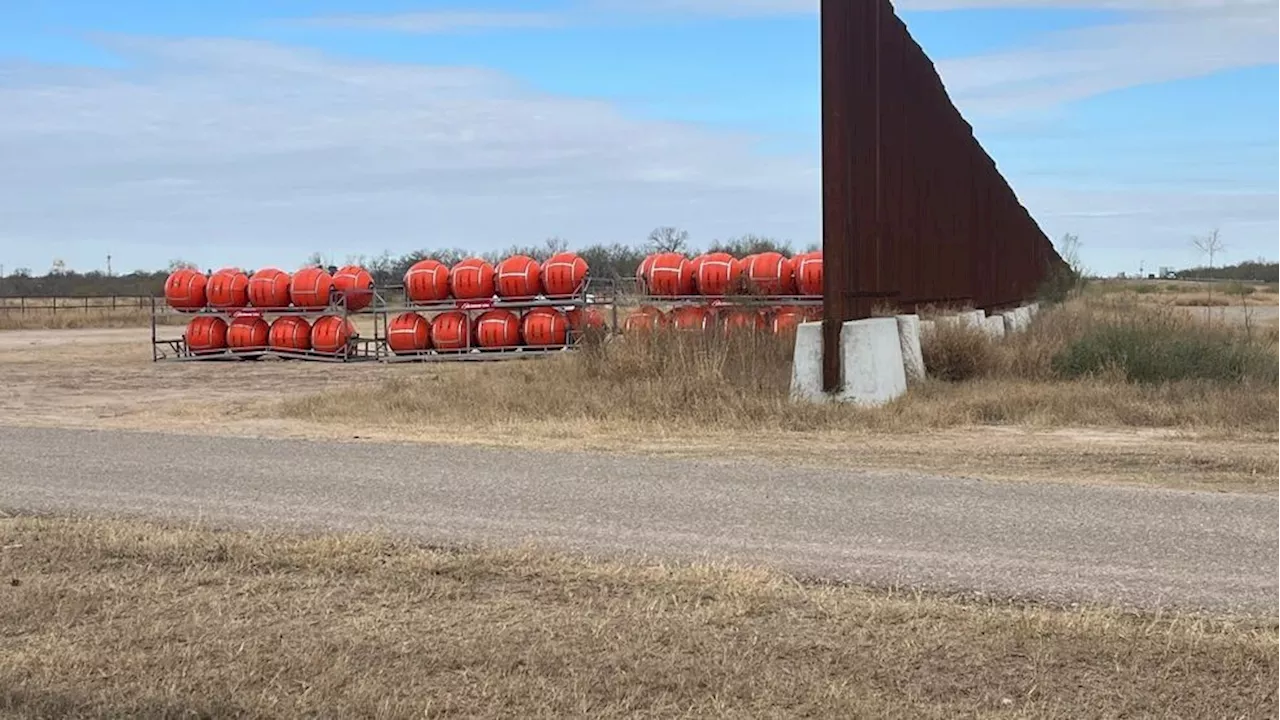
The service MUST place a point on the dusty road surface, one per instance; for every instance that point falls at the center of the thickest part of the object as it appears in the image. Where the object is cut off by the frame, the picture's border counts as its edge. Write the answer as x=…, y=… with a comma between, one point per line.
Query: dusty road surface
x=1133, y=547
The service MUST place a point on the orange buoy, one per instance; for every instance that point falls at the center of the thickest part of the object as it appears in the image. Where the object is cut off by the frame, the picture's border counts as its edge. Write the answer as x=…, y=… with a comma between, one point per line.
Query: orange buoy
x=311, y=288
x=451, y=331
x=248, y=333
x=519, y=277
x=269, y=288
x=580, y=319
x=206, y=333
x=184, y=289
x=472, y=279
x=227, y=289
x=738, y=319
x=671, y=274
x=787, y=318
x=408, y=333
x=427, y=281
x=544, y=327
x=717, y=274
x=290, y=333
x=771, y=274
x=644, y=318
x=564, y=274
x=808, y=273
x=330, y=334
x=692, y=317
x=642, y=272
x=497, y=328
x=354, y=284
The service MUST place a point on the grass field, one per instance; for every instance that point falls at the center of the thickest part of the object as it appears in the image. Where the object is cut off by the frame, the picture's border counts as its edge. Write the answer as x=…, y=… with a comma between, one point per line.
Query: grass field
x=126, y=619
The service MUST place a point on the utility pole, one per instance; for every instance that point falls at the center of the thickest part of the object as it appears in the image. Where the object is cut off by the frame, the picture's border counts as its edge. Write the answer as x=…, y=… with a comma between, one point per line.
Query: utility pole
x=108, y=265
x=1210, y=245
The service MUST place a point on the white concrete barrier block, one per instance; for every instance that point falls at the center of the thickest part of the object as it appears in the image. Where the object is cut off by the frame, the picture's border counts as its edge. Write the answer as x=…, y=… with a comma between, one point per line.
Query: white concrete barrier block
x=1033, y=308
x=806, y=365
x=871, y=359
x=1016, y=320
x=909, y=342
x=973, y=318
x=994, y=326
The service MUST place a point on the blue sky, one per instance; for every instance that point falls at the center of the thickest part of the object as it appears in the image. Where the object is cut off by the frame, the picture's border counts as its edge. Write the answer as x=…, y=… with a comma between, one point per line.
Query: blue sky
x=255, y=133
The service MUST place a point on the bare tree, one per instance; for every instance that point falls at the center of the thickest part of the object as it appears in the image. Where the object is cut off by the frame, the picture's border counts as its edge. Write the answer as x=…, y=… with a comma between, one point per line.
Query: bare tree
x=1210, y=245
x=668, y=239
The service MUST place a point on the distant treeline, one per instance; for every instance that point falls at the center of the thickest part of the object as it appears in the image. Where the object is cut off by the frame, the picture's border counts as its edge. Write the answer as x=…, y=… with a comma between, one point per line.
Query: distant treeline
x=1247, y=271
x=608, y=261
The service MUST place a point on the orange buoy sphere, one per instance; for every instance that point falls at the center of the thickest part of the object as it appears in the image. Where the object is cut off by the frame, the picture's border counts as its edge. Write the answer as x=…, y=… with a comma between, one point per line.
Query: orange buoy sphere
x=497, y=328
x=644, y=318
x=671, y=274
x=246, y=333
x=354, y=284
x=206, y=333
x=451, y=330
x=739, y=319
x=269, y=288
x=580, y=319
x=642, y=272
x=692, y=317
x=311, y=288
x=290, y=332
x=427, y=281
x=786, y=319
x=544, y=327
x=330, y=334
x=717, y=274
x=808, y=273
x=227, y=289
x=184, y=289
x=472, y=279
x=408, y=333
x=519, y=277
x=771, y=274
x=563, y=274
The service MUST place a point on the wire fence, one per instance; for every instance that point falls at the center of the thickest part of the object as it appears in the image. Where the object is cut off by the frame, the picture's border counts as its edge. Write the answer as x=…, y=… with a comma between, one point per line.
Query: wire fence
x=46, y=304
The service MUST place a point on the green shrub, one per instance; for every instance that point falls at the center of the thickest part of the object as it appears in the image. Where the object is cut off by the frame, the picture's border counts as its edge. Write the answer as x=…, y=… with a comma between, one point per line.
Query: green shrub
x=1156, y=353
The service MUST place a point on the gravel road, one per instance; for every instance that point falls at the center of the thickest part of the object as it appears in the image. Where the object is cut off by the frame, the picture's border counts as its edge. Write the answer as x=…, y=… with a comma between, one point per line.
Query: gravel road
x=1062, y=543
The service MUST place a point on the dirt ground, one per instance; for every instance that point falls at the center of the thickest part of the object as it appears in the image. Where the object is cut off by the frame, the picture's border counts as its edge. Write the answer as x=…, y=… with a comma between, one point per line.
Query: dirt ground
x=105, y=379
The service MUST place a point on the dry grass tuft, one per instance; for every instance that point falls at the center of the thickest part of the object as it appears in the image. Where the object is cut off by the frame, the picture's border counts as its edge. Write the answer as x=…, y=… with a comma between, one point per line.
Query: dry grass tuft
x=76, y=319
x=125, y=619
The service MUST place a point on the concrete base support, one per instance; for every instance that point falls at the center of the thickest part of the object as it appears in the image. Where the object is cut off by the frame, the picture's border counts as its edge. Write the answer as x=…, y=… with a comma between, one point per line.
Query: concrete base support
x=973, y=318
x=1016, y=320
x=909, y=341
x=1033, y=308
x=806, y=365
x=871, y=358
x=994, y=326
x=871, y=363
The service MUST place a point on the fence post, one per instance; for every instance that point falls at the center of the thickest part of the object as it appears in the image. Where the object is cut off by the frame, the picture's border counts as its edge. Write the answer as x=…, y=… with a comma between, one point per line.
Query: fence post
x=55, y=306
x=113, y=302
x=22, y=303
x=86, y=304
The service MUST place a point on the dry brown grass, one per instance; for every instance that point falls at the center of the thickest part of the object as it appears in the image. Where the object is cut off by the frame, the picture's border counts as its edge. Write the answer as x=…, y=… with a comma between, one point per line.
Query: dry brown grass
x=124, y=619
x=78, y=318
x=681, y=382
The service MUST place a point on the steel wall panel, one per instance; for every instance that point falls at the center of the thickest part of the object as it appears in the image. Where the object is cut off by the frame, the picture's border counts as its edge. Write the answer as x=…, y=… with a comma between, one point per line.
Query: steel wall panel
x=914, y=210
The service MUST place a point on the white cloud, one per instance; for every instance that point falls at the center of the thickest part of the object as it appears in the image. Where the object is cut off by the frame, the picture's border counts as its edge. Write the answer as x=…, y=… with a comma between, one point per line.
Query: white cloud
x=1077, y=64
x=249, y=153
x=440, y=21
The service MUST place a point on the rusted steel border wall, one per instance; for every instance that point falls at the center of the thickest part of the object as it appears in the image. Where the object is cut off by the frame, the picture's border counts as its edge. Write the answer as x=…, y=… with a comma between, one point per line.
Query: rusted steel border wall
x=914, y=210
